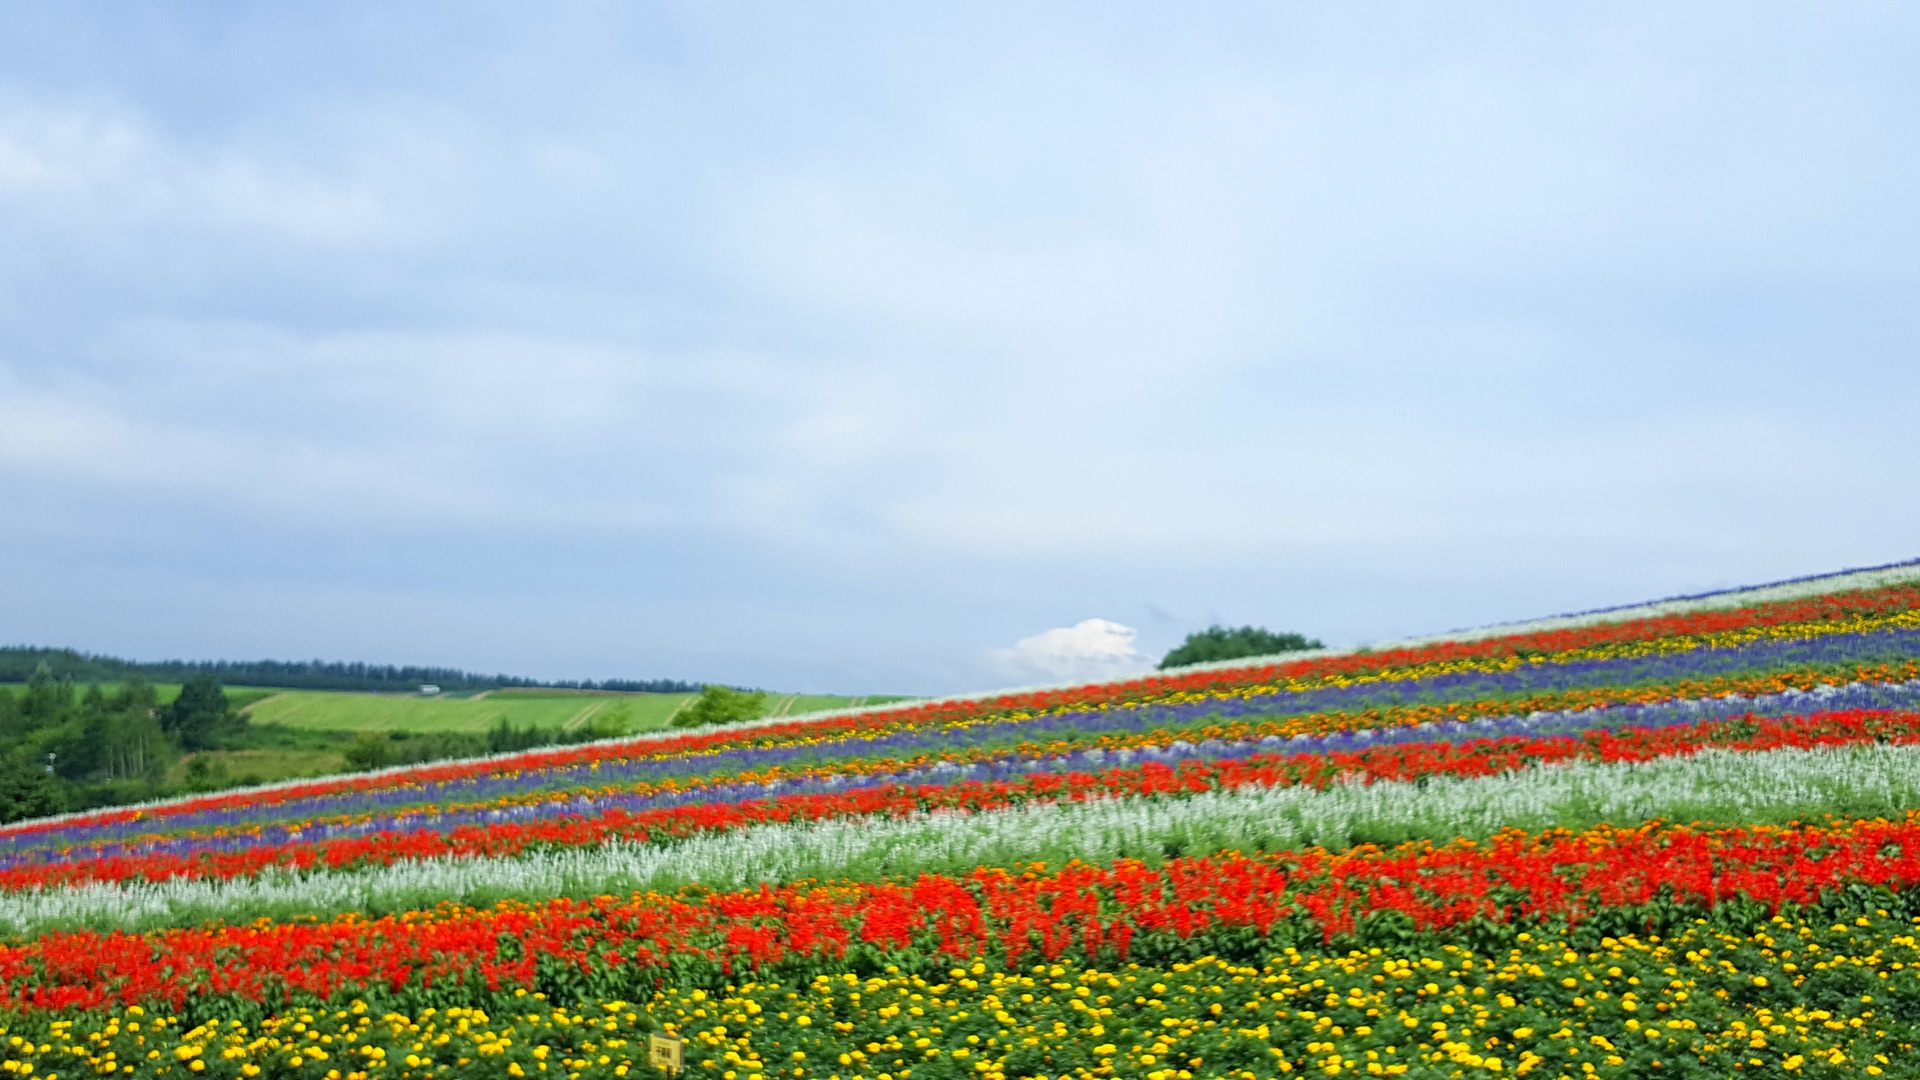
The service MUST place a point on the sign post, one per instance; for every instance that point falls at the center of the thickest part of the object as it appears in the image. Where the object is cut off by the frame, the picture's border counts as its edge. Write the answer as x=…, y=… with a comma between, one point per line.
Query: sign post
x=666, y=1052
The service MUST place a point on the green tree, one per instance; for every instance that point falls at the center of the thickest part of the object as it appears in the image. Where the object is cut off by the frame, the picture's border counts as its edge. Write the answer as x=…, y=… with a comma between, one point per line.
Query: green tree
x=132, y=746
x=116, y=737
x=44, y=702
x=1219, y=643
x=370, y=750
x=207, y=773
x=722, y=705
x=504, y=738
x=28, y=791
x=135, y=695
x=78, y=742
x=201, y=716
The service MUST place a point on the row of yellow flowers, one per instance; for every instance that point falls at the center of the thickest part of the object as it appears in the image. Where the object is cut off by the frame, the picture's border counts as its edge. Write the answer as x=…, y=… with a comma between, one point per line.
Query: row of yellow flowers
x=1791, y=998
x=1230, y=730
x=1492, y=665
x=1398, y=667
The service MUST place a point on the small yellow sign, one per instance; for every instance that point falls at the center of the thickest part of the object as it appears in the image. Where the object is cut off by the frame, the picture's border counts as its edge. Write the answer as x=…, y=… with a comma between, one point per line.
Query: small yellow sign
x=666, y=1052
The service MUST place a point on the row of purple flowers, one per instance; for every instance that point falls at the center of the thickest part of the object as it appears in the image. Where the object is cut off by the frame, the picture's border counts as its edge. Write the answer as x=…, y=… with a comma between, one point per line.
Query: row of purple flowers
x=1013, y=764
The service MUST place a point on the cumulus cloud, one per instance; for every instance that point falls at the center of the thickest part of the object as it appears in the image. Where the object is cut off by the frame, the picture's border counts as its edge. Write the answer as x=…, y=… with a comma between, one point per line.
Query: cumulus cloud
x=737, y=350
x=1089, y=649
x=86, y=172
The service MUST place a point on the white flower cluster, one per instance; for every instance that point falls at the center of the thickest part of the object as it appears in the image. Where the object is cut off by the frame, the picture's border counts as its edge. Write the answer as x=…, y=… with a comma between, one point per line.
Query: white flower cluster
x=1713, y=786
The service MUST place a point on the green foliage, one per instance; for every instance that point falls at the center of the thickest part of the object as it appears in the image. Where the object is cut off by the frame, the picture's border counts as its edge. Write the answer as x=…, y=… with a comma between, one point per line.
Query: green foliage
x=506, y=739
x=28, y=792
x=68, y=665
x=319, y=710
x=1219, y=643
x=60, y=748
x=609, y=723
x=370, y=750
x=380, y=749
x=42, y=702
x=206, y=773
x=201, y=716
x=120, y=736
x=410, y=747
x=326, y=711
x=722, y=705
x=92, y=736
x=124, y=742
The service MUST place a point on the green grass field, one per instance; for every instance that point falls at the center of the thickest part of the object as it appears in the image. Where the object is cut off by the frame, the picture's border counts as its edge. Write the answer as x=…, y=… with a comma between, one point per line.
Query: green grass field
x=238, y=696
x=306, y=733
x=298, y=734
x=334, y=710
x=325, y=710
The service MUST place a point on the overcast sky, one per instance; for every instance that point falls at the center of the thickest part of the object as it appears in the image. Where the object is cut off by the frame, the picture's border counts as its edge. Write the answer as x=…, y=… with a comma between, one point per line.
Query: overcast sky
x=862, y=348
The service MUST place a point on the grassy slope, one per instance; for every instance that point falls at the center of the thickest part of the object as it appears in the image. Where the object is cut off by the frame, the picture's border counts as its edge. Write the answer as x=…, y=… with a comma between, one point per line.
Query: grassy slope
x=239, y=696
x=334, y=710
x=324, y=710
x=304, y=733
x=309, y=730
x=321, y=710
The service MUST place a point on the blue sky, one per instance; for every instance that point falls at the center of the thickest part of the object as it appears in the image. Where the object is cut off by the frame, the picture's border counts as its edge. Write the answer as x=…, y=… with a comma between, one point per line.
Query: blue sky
x=876, y=348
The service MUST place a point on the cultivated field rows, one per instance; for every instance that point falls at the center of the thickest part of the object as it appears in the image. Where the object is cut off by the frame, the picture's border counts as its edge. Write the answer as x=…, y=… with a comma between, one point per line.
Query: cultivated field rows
x=1678, y=840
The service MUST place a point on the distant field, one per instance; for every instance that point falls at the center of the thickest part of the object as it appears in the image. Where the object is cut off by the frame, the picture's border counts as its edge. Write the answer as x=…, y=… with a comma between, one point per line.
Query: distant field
x=794, y=704
x=326, y=710
x=239, y=696
x=336, y=710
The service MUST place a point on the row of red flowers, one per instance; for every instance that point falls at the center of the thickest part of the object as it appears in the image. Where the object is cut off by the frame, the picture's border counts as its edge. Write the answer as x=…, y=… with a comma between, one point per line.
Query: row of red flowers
x=1558, y=874
x=1479, y=757
x=1157, y=687
x=1228, y=730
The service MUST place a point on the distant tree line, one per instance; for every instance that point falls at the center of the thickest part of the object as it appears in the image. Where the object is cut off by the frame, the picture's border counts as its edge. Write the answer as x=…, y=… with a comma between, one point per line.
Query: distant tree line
x=631, y=686
x=19, y=662
x=67, y=748
x=61, y=747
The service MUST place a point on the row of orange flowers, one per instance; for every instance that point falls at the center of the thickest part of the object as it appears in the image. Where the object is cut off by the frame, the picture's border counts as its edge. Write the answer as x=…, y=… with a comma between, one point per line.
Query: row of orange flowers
x=1836, y=612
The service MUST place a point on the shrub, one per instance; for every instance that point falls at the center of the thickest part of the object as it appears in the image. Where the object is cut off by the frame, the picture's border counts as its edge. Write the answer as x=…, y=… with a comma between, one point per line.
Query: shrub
x=370, y=750
x=722, y=705
x=201, y=716
x=1219, y=643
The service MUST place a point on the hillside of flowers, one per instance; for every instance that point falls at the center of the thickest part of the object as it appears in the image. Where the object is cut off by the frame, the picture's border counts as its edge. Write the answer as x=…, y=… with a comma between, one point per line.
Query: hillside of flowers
x=1680, y=840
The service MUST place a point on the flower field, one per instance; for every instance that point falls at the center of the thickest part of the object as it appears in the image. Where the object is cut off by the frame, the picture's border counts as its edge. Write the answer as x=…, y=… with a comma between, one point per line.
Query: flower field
x=1679, y=840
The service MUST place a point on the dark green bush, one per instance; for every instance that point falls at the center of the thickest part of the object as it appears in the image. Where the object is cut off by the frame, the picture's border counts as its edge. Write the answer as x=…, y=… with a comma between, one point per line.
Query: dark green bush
x=1219, y=643
x=722, y=705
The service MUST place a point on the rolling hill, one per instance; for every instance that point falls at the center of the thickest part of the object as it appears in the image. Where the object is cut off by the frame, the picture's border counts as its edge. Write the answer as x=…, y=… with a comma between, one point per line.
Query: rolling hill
x=1671, y=839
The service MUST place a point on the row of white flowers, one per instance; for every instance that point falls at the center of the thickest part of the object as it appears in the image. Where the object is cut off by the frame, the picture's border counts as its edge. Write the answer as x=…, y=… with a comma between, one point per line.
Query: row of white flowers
x=1800, y=588
x=1719, y=786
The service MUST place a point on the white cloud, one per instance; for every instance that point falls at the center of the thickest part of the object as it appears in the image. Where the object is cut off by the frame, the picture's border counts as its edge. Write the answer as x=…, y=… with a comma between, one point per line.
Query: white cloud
x=1362, y=332
x=1089, y=649
x=80, y=172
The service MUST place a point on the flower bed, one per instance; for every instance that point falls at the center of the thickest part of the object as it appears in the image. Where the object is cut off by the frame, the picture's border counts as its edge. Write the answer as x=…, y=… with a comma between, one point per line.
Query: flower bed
x=1306, y=865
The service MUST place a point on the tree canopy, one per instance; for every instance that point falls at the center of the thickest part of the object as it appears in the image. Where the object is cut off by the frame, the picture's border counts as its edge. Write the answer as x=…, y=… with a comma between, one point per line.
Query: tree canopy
x=722, y=705
x=200, y=715
x=17, y=662
x=1220, y=643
